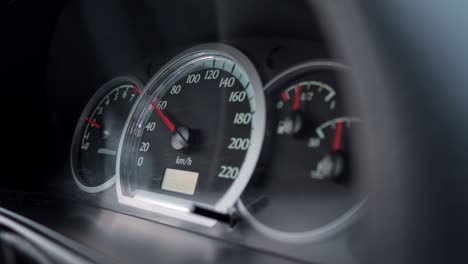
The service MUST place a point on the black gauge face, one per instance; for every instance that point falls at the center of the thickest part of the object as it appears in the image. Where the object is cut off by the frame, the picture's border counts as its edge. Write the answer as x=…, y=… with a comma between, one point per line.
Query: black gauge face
x=97, y=136
x=306, y=180
x=193, y=132
x=200, y=129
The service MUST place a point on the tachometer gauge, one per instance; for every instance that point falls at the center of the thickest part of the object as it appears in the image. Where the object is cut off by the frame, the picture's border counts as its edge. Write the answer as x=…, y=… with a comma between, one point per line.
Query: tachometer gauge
x=305, y=186
x=97, y=135
x=195, y=135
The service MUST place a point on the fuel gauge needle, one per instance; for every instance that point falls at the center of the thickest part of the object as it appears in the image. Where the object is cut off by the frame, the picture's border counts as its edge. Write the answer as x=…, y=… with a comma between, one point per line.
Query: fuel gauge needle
x=293, y=123
x=337, y=138
x=297, y=98
x=93, y=123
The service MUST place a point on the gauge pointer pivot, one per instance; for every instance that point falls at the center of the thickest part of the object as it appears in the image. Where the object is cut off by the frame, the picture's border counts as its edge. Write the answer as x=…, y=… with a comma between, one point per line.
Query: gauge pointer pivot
x=293, y=123
x=180, y=135
x=332, y=165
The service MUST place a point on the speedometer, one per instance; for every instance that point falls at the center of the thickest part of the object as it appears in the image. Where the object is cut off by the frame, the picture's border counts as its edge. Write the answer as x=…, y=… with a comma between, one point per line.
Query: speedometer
x=195, y=135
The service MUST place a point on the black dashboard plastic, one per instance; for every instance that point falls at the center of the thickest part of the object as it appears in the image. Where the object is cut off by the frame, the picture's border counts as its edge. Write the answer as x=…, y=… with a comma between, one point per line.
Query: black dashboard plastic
x=111, y=237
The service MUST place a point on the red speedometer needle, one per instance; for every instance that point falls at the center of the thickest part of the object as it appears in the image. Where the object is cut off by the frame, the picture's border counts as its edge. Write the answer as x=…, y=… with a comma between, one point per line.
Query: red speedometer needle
x=297, y=98
x=164, y=118
x=338, y=137
x=93, y=123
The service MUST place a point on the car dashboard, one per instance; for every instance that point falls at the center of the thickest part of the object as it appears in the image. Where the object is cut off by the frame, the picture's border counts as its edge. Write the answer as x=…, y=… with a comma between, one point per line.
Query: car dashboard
x=180, y=131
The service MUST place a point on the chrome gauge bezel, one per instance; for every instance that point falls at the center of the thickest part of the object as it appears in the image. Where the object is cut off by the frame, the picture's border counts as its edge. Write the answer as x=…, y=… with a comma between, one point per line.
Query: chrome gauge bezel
x=95, y=100
x=157, y=85
x=327, y=230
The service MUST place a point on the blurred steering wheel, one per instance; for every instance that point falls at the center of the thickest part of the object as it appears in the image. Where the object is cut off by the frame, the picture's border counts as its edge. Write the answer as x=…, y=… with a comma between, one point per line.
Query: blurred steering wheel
x=410, y=62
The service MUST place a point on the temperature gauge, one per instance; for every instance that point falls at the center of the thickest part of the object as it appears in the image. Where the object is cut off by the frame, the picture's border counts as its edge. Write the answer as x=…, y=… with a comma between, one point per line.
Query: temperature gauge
x=329, y=140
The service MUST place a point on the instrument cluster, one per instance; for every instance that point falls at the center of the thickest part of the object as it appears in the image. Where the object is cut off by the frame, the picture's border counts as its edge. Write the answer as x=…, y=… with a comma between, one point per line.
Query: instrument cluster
x=205, y=141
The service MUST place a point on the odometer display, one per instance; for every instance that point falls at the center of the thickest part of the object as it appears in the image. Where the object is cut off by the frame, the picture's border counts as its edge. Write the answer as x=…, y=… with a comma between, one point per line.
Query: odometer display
x=195, y=133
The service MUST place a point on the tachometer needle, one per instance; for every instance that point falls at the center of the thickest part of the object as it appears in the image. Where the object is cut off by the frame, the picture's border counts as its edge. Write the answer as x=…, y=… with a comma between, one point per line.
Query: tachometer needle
x=297, y=98
x=93, y=123
x=164, y=118
x=337, y=137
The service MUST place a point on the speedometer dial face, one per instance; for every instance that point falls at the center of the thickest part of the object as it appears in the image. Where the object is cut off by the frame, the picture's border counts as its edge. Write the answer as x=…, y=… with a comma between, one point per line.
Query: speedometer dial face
x=195, y=135
x=305, y=189
x=97, y=136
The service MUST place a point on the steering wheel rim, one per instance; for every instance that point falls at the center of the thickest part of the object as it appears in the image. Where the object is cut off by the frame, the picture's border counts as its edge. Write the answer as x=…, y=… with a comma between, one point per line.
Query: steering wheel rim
x=412, y=94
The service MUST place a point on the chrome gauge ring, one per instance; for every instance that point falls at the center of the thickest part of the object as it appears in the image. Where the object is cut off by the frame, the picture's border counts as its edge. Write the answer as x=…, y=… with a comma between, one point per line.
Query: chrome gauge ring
x=194, y=136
